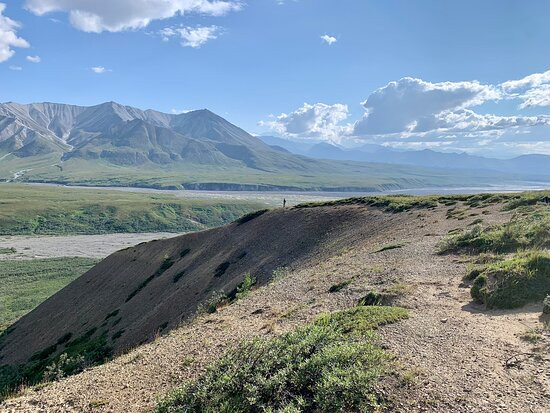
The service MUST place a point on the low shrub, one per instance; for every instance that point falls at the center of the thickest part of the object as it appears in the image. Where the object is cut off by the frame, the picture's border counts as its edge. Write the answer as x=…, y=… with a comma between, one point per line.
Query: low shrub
x=211, y=304
x=331, y=365
x=246, y=286
x=514, y=282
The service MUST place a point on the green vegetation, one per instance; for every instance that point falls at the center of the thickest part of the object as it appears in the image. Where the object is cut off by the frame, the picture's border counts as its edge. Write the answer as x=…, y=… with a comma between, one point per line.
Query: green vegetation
x=211, y=304
x=331, y=365
x=513, y=282
x=390, y=247
x=166, y=264
x=388, y=203
x=220, y=298
x=9, y=250
x=76, y=355
x=311, y=175
x=403, y=203
x=249, y=217
x=26, y=283
x=500, y=280
x=340, y=286
x=246, y=286
x=26, y=209
x=522, y=232
x=375, y=298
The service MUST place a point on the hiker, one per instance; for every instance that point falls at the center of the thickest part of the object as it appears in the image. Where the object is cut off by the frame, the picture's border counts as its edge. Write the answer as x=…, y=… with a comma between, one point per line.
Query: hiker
x=284, y=203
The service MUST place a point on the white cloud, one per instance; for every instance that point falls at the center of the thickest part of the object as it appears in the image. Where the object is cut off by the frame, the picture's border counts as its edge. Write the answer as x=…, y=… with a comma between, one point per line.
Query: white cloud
x=16, y=68
x=536, y=79
x=319, y=121
x=8, y=36
x=193, y=37
x=180, y=111
x=412, y=113
x=99, y=70
x=532, y=90
x=34, y=59
x=416, y=114
x=401, y=105
x=97, y=16
x=329, y=39
x=539, y=96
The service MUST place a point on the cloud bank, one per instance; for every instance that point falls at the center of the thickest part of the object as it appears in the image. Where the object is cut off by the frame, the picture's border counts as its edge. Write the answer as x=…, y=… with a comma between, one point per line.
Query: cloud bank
x=312, y=121
x=414, y=113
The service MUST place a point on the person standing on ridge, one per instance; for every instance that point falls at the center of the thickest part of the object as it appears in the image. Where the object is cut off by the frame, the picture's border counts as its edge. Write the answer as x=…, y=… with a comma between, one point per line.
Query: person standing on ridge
x=284, y=203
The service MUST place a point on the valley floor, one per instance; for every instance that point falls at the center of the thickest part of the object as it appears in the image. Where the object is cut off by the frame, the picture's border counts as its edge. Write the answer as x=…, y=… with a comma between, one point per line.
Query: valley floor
x=92, y=246
x=451, y=355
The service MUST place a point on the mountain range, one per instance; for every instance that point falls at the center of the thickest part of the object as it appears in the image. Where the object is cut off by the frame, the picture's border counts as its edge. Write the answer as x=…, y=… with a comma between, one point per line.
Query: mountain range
x=535, y=164
x=115, y=145
x=125, y=135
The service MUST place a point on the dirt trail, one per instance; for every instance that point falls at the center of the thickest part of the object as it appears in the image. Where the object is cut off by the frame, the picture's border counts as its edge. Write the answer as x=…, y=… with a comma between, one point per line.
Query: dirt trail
x=450, y=354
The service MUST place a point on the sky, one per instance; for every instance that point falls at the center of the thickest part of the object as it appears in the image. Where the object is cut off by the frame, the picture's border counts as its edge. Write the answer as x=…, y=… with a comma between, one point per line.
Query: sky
x=456, y=76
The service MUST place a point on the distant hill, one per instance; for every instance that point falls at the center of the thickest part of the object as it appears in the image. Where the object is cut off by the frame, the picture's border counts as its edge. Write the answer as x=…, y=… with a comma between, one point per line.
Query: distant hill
x=527, y=164
x=116, y=145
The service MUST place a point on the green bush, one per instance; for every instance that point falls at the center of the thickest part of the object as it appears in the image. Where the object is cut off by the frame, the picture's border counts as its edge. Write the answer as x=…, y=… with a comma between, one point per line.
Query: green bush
x=332, y=365
x=246, y=286
x=514, y=282
x=211, y=304
x=532, y=231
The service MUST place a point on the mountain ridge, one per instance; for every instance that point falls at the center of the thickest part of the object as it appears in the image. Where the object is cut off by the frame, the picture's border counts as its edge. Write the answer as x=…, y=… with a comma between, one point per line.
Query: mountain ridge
x=529, y=163
x=110, y=130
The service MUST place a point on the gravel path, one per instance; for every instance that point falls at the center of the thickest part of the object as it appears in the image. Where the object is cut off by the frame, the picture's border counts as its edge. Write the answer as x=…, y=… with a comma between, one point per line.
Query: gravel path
x=450, y=355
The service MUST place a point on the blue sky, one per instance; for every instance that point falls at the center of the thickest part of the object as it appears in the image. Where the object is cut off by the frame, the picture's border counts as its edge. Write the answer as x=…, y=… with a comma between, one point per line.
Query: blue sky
x=264, y=65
